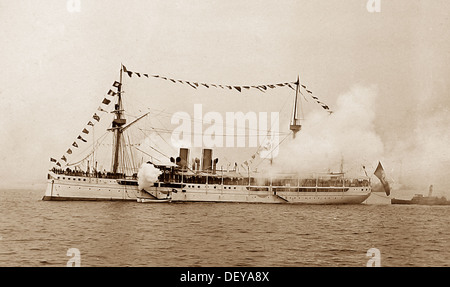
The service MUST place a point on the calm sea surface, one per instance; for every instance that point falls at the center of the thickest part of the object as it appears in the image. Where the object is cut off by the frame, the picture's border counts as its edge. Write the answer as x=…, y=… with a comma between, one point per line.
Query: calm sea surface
x=39, y=233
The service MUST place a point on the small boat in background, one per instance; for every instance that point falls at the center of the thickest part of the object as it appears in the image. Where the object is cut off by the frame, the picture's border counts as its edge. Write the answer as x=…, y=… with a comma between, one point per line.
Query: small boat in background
x=423, y=200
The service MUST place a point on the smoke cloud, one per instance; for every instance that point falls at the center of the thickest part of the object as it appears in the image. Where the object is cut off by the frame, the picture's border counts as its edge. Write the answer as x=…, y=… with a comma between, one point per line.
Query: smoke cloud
x=423, y=157
x=414, y=157
x=348, y=135
x=147, y=175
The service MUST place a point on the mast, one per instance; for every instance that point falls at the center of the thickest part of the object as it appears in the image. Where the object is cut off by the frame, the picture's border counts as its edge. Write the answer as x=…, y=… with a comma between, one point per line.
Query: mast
x=295, y=125
x=117, y=123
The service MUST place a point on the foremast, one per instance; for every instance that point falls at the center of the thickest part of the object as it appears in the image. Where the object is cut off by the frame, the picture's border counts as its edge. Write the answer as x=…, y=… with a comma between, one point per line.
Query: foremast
x=117, y=124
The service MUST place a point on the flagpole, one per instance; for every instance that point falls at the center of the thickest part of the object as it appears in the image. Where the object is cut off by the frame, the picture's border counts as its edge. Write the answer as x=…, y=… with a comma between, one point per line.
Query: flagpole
x=295, y=126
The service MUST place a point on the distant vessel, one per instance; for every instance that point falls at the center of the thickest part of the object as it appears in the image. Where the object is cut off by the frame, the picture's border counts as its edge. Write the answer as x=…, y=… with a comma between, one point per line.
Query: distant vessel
x=423, y=200
x=180, y=180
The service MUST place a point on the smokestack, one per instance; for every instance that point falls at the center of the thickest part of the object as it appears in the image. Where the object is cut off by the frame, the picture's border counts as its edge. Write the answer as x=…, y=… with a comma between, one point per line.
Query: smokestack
x=207, y=159
x=197, y=163
x=215, y=165
x=184, y=156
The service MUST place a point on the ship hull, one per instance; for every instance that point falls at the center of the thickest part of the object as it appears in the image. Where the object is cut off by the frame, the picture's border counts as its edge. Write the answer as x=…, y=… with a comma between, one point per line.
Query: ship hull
x=72, y=188
x=64, y=187
x=420, y=202
x=244, y=195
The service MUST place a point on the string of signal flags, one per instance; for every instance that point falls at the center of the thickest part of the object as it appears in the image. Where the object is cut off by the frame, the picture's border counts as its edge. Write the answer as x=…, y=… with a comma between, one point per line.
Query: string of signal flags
x=239, y=88
x=194, y=84
x=95, y=118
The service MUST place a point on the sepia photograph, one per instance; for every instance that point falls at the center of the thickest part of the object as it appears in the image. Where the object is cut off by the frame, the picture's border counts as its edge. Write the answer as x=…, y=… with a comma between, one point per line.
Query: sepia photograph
x=240, y=135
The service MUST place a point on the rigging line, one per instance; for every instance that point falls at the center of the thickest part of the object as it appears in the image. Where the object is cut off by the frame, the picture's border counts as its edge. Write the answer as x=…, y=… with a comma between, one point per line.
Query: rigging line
x=164, y=138
x=155, y=144
x=272, y=122
x=195, y=120
x=217, y=135
x=125, y=158
x=154, y=115
x=154, y=150
x=247, y=129
x=202, y=122
x=94, y=147
x=301, y=106
x=151, y=157
x=276, y=147
x=150, y=139
x=130, y=115
x=131, y=153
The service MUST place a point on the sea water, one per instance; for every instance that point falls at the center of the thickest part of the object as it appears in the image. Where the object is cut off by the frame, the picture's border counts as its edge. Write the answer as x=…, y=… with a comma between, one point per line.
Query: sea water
x=52, y=233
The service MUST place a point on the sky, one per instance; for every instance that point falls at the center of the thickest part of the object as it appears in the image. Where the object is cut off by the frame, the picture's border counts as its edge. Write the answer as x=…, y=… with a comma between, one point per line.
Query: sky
x=385, y=74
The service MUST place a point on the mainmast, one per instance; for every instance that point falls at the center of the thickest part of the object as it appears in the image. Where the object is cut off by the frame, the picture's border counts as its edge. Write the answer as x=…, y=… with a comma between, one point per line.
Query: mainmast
x=117, y=123
x=295, y=122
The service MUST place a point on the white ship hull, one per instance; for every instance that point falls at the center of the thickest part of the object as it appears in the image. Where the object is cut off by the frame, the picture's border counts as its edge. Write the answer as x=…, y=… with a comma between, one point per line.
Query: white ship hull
x=219, y=193
x=66, y=187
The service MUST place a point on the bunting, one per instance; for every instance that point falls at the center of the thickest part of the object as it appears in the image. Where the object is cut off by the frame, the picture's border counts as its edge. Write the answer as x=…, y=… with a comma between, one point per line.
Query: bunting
x=96, y=117
x=196, y=85
x=117, y=84
x=82, y=139
x=261, y=88
x=111, y=93
x=101, y=109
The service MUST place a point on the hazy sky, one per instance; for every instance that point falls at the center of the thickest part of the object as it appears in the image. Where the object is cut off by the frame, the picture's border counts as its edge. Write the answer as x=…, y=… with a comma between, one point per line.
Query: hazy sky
x=57, y=67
